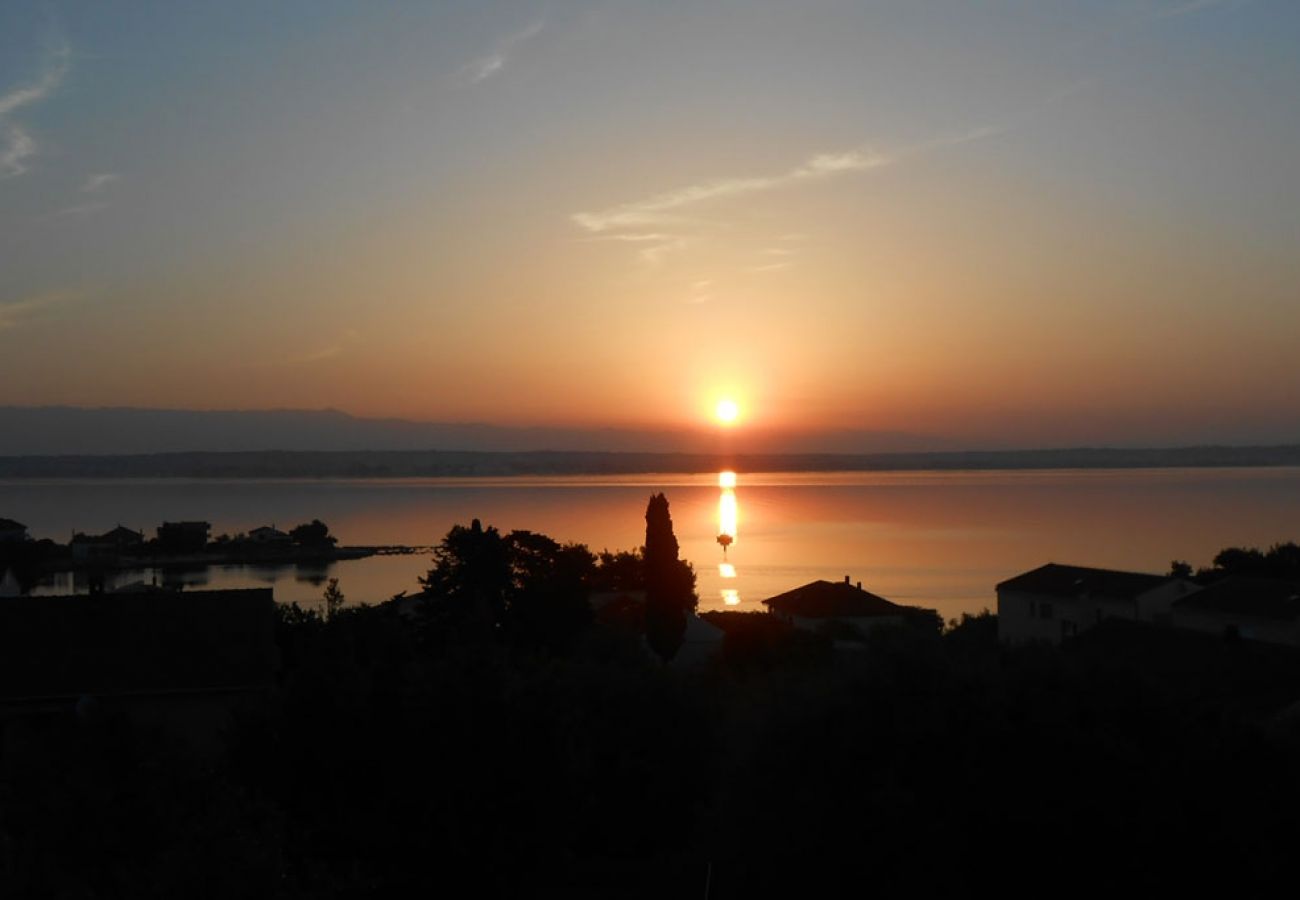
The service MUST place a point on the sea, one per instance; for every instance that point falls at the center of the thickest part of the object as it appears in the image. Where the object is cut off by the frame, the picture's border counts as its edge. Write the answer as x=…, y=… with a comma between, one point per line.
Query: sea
x=941, y=540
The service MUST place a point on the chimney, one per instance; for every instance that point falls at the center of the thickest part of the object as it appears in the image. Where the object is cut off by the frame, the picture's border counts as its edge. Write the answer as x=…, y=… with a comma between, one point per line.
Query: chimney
x=859, y=585
x=846, y=579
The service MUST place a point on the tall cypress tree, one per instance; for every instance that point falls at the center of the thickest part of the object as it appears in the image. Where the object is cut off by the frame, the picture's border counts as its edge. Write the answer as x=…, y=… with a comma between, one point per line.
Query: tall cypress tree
x=669, y=582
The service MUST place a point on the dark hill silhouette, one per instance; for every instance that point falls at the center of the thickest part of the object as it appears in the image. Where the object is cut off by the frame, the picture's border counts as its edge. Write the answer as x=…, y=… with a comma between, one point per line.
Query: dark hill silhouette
x=78, y=431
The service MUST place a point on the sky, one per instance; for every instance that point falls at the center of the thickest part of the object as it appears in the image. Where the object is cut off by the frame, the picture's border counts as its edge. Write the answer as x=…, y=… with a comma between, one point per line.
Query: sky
x=997, y=224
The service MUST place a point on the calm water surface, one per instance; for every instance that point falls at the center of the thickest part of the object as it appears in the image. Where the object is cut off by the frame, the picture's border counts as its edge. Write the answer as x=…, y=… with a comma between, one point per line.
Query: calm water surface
x=937, y=539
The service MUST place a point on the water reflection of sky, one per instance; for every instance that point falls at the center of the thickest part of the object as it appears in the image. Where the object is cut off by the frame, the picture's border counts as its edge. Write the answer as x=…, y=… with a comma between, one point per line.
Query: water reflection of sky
x=940, y=539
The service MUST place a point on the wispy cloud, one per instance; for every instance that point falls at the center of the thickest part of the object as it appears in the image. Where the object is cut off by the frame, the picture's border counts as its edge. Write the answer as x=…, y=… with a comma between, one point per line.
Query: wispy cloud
x=15, y=312
x=701, y=291
x=667, y=223
x=642, y=237
x=308, y=355
x=1186, y=7
x=97, y=181
x=665, y=208
x=78, y=211
x=18, y=144
x=656, y=254
x=485, y=67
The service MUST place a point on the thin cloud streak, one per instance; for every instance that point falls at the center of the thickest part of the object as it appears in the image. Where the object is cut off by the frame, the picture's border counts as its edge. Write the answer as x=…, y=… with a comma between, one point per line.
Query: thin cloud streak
x=1192, y=6
x=35, y=93
x=15, y=312
x=655, y=255
x=315, y=354
x=19, y=144
x=80, y=211
x=97, y=181
x=485, y=67
x=628, y=222
x=659, y=209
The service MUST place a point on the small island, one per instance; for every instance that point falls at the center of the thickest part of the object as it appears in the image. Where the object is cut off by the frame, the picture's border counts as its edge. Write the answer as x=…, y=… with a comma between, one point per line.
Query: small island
x=182, y=544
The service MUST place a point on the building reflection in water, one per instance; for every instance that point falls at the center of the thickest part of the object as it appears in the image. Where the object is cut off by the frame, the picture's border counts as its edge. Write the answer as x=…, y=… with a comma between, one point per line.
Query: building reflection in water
x=727, y=518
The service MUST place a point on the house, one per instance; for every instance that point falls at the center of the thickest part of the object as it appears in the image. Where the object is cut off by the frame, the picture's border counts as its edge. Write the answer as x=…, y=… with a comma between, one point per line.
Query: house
x=11, y=531
x=835, y=605
x=1054, y=602
x=106, y=547
x=1262, y=609
x=184, y=661
x=269, y=536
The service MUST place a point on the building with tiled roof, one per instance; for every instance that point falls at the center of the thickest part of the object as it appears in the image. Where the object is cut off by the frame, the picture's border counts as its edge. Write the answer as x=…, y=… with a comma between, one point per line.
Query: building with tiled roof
x=12, y=531
x=1263, y=609
x=1055, y=601
x=823, y=604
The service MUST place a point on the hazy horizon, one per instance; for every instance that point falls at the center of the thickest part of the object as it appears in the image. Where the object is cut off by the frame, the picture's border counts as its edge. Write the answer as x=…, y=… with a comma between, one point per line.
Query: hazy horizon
x=1005, y=226
x=99, y=431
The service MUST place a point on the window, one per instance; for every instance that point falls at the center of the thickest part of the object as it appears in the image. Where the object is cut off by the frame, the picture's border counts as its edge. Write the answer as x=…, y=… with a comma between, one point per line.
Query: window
x=1045, y=610
x=1033, y=609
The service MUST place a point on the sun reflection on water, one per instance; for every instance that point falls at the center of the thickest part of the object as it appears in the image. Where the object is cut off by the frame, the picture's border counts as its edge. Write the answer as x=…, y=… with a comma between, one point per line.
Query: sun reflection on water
x=728, y=516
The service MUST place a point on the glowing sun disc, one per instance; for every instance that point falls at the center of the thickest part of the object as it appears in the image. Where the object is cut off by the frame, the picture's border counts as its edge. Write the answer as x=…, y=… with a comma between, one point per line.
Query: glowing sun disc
x=726, y=411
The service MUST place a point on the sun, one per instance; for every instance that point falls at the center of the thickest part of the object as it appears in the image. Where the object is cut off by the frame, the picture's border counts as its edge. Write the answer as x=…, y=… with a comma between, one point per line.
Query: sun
x=726, y=411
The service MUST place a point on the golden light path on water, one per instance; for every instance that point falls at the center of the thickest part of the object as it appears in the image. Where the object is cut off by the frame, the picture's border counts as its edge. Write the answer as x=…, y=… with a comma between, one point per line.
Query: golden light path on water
x=728, y=516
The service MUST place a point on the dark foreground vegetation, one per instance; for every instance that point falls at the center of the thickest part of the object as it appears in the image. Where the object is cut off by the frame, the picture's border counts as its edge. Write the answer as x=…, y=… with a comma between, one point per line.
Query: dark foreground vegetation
x=924, y=762
x=461, y=746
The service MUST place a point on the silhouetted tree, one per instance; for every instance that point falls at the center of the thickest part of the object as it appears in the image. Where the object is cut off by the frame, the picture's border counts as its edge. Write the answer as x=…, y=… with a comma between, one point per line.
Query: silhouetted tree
x=548, y=598
x=1180, y=569
x=182, y=537
x=1280, y=561
x=333, y=598
x=313, y=534
x=669, y=582
x=471, y=576
x=623, y=570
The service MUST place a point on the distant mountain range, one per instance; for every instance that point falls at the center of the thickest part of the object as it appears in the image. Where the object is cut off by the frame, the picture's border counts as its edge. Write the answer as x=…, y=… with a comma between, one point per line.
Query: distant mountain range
x=76, y=431
x=69, y=442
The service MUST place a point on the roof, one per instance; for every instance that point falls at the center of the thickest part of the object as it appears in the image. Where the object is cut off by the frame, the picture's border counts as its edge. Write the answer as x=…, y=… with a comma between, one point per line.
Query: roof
x=119, y=535
x=144, y=642
x=832, y=599
x=122, y=533
x=1245, y=595
x=699, y=631
x=11, y=525
x=1073, y=582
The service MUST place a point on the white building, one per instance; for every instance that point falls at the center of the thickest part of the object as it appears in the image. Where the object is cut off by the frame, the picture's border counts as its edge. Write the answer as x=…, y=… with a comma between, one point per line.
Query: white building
x=1054, y=602
x=269, y=535
x=1259, y=609
x=826, y=604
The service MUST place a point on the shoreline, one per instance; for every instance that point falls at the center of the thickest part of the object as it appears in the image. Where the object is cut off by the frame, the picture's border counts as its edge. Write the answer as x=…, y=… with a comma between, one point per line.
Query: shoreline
x=464, y=465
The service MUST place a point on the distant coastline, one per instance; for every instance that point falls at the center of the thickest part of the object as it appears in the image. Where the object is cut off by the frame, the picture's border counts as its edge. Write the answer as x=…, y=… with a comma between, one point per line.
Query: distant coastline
x=474, y=464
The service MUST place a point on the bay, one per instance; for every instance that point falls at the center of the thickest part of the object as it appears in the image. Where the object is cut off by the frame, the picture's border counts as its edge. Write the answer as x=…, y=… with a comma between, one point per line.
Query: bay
x=937, y=539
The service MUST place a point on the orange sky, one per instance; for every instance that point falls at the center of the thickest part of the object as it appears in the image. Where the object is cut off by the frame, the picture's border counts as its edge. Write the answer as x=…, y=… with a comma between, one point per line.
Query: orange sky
x=1072, y=227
